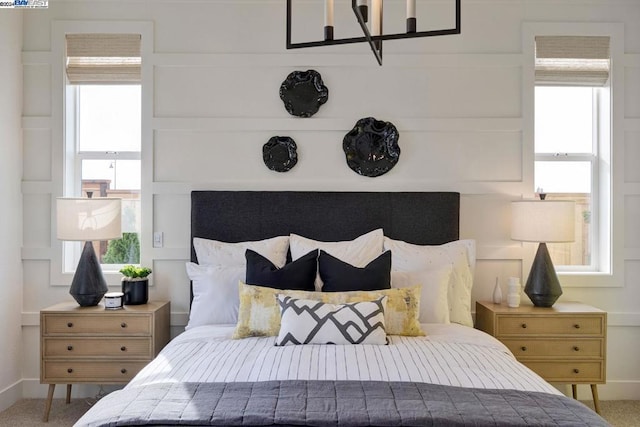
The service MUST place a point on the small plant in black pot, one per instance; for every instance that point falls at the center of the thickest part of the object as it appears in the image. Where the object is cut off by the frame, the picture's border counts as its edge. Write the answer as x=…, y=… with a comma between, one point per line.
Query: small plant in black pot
x=135, y=284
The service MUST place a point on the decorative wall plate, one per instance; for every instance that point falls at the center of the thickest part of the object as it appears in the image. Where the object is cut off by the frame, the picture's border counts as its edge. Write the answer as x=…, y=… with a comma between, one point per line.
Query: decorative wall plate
x=303, y=92
x=372, y=147
x=279, y=153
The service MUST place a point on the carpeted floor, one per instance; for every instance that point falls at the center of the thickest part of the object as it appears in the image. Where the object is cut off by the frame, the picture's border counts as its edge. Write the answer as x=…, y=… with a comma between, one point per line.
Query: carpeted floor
x=28, y=413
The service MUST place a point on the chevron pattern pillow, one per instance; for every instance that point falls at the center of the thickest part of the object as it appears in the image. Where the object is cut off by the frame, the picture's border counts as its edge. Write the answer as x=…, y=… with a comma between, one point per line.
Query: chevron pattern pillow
x=305, y=321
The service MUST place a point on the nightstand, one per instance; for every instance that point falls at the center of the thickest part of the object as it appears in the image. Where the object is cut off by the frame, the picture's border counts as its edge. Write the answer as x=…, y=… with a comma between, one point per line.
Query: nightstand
x=94, y=345
x=565, y=343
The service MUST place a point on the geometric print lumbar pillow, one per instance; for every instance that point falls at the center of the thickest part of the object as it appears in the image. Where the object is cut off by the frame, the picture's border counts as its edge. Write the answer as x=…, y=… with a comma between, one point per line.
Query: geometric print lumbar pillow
x=306, y=321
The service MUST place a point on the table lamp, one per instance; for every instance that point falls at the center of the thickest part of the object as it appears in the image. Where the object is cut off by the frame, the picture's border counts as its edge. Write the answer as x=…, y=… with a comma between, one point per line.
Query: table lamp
x=88, y=220
x=543, y=221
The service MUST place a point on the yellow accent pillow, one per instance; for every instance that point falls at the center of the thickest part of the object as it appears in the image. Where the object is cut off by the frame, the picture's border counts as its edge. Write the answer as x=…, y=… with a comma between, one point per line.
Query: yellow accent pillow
x=259, y=314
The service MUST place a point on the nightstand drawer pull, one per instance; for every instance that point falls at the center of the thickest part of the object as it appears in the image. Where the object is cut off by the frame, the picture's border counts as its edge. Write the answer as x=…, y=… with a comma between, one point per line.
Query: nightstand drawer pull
x=524, y=326
x=69, y=325
x=123, y=348
x=123, y=325
x=69, y=370
x=577, y=326
x=69, y=347
x=576, y=348
x=123, y=371
x=576, y=371
x=523, y=348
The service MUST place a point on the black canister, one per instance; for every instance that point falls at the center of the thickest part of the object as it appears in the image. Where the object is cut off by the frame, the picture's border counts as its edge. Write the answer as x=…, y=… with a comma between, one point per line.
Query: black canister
x=135, y=291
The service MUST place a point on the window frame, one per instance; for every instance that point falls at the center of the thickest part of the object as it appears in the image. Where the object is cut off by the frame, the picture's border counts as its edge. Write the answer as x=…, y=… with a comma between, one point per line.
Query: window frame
x=71, y=250
x=611, y=221
x=597, y=265
x=61, y=185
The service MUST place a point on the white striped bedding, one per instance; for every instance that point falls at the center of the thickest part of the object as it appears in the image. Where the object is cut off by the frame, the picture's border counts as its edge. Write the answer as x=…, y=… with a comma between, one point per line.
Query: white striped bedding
x=450, y=354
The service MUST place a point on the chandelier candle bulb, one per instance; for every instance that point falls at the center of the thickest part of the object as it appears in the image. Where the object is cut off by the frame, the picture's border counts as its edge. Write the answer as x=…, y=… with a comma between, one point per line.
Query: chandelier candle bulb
x=328, y=13
x=411, y=8
x=328, y=19
x=376, y=17
x=411, y=16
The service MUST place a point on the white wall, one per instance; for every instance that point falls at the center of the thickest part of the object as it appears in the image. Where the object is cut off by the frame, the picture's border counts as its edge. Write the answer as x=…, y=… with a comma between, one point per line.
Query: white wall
x=211, y=99
x=11, y=218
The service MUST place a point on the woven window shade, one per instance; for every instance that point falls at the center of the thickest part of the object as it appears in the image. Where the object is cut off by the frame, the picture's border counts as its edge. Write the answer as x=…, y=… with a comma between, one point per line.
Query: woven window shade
x=572, y=60
x=103, y=58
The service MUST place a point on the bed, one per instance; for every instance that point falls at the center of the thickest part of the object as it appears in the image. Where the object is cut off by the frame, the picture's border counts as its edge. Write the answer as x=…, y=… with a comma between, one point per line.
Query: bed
x=428, y=368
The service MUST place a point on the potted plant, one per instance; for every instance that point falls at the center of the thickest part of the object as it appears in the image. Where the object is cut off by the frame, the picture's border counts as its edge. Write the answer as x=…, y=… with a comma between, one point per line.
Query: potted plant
x=135, y=284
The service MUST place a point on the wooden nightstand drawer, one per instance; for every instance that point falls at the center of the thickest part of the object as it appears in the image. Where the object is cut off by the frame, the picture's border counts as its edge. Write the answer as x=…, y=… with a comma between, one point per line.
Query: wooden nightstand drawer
x=126, y=348
x=105, y=372
x=552, y=325
x=571, y=372
x=577, y=348
x=97, y=324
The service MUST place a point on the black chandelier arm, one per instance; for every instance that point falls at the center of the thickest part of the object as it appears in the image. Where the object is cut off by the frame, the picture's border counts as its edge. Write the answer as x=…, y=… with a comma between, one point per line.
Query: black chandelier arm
x=374, y=43
x=351, y=40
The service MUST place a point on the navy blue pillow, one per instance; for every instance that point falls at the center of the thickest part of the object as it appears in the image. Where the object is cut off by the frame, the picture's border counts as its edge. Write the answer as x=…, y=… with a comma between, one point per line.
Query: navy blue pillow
x=298, y=275
x=339, y=276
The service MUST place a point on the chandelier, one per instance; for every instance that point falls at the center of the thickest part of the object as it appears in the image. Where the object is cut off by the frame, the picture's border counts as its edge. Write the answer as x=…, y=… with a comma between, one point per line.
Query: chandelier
x=373, y=31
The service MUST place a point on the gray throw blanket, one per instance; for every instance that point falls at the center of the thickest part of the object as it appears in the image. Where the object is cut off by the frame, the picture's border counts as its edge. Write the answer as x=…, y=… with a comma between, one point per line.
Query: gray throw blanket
x=334, y=403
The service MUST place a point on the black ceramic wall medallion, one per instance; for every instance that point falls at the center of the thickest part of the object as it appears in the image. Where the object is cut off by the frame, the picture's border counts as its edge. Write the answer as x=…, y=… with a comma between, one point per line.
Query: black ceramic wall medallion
x=279, y=153
x=371, y=147
x=303, y=92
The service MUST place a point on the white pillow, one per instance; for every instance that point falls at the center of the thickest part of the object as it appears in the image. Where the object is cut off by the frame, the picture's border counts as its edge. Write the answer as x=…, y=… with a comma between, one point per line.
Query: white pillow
x=214, y=252
x=461, y=253
x=358, y=252
x=305, y=321
x=434, y=290
x=215, y=294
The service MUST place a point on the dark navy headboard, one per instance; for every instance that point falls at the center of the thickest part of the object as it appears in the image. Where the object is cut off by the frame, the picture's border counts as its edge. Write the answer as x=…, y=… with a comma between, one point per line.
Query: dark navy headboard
x=426, y=218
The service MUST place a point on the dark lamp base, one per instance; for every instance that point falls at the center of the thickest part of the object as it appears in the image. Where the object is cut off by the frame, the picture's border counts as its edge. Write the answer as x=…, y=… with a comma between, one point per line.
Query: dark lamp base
x=543, y=287
x=88, y=285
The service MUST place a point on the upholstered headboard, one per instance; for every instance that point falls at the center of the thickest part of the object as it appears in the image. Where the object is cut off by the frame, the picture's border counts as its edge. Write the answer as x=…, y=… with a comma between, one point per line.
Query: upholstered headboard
x=427, y=218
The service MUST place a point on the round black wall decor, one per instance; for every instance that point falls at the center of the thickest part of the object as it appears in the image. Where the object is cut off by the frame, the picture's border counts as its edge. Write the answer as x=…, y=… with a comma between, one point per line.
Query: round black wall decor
x=371, y=147
x=303, y=92
x=279, y=153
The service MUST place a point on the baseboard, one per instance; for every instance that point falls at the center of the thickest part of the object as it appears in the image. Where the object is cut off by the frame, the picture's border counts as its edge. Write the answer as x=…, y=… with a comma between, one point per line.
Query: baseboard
x=32, y=389
x=11, y=395
x=616, y=390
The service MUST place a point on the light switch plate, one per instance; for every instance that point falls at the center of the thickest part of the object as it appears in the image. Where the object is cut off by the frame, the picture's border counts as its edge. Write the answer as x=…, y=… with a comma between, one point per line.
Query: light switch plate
x=158, y=239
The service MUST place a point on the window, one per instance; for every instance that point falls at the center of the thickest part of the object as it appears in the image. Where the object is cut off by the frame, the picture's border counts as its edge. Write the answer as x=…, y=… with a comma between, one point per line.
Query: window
x=572, y=126
x=103, y=135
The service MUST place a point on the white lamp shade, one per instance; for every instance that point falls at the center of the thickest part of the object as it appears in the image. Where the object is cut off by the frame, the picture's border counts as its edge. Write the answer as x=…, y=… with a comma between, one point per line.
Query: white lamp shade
x=548, y=221
x=82, y=219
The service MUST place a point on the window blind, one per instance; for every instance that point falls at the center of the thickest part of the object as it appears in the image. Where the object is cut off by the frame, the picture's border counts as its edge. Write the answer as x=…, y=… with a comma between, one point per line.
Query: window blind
x=572, y=60
x=103, y=58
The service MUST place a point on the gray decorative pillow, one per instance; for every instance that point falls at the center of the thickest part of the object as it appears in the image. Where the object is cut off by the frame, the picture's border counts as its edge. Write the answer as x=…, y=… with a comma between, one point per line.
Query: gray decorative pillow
x=306, y=321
